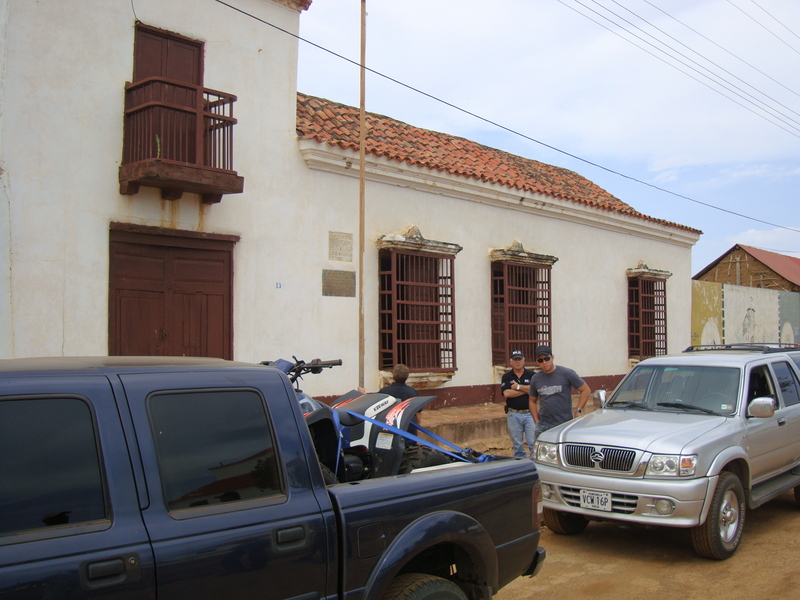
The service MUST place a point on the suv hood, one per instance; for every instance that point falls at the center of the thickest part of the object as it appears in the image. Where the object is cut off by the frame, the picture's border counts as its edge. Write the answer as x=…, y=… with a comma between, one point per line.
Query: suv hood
x=661, y=432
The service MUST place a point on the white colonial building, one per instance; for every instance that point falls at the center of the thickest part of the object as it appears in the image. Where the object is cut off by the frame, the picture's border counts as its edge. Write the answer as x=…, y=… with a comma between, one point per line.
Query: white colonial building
x=166, y=190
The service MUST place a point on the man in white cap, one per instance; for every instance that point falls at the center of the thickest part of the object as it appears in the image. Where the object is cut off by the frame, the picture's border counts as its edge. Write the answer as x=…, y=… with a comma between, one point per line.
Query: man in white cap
x=515, y=385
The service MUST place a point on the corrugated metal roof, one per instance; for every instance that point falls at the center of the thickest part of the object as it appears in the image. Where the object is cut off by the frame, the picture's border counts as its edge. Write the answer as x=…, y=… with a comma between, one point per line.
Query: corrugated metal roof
x=787, y=267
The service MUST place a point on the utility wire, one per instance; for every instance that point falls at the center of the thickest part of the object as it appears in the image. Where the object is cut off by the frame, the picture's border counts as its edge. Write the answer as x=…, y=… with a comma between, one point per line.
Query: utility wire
x=774, y=19
x=795, y=133
x=498, y=125
x=764, y=27
x=723, y=49
x=721, y=68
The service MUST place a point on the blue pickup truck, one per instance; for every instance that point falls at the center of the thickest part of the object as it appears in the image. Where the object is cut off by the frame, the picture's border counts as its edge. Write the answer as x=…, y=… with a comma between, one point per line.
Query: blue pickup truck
x=134, y=478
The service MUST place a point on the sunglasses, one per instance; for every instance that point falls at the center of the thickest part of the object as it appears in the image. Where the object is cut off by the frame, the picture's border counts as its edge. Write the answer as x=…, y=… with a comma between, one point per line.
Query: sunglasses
x=544, y=359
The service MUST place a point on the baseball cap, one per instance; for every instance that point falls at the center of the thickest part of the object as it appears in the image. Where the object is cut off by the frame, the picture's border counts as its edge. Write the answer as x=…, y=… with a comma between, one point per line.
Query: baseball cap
x=543, y=350
x=517, y=354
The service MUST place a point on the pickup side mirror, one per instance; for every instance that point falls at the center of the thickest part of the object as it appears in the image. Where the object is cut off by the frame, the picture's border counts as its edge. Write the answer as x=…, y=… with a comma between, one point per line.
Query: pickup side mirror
x=761, y=407
x=599, y=398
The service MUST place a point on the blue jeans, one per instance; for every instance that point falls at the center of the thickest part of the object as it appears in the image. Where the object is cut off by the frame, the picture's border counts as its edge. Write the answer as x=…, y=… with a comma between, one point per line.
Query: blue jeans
x=522, y=429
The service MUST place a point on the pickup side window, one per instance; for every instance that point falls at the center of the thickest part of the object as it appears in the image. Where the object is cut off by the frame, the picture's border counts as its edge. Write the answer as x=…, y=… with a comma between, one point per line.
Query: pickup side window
x=787, y=383
x=49, y=465
x=213, y=448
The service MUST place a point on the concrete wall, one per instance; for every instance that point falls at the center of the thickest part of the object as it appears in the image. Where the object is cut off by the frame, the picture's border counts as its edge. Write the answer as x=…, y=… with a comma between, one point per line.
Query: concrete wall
x=730, y=314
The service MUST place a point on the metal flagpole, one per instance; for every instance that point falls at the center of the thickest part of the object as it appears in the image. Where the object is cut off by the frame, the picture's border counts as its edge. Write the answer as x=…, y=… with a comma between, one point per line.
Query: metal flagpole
x=361, y=193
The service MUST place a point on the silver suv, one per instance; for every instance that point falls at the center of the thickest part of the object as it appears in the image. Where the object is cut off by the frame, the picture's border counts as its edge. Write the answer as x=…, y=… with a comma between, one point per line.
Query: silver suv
x=691, y=440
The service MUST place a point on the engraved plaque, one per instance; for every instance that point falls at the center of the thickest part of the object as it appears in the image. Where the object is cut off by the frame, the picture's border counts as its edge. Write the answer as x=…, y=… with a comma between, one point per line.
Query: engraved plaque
x=338, y=283
x=340, y=246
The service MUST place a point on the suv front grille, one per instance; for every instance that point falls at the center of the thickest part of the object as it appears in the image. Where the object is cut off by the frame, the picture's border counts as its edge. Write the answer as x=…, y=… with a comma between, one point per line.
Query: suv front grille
x=592, y=457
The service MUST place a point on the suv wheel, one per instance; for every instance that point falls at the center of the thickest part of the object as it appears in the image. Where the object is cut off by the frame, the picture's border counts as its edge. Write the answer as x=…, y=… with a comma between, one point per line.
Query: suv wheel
x=563, y=522
x=719, y=536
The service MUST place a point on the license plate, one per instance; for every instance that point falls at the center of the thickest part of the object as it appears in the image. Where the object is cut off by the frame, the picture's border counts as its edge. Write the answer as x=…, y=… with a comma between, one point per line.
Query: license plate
x=596, y=500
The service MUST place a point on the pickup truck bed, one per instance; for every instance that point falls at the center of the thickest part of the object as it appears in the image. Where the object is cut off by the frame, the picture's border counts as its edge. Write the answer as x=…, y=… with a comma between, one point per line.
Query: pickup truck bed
x=197, y=478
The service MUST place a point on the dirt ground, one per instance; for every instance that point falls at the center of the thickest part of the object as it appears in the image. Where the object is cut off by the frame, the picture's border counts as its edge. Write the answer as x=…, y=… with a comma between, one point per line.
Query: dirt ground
x=613, y=562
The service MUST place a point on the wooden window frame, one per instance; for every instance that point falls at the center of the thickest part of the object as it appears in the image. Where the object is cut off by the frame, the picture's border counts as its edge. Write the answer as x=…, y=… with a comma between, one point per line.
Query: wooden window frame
x=521, y=308
x=647, y=317
x=417, y=310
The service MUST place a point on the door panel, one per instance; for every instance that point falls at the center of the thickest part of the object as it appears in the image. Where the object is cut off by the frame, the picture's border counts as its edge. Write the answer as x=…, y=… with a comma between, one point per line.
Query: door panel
x=170, y=300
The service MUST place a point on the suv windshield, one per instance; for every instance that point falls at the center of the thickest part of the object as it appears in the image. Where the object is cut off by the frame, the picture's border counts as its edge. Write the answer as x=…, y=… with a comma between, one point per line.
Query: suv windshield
x=705, y=390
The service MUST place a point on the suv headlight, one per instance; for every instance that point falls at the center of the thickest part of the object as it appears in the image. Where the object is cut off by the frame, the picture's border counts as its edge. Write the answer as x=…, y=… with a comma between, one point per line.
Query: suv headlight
x=545, y=452
x=671, y=465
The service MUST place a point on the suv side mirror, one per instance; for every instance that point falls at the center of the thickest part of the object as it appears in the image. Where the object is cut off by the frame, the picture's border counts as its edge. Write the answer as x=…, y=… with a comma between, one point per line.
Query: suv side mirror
x=761, y=407
x=599, y=398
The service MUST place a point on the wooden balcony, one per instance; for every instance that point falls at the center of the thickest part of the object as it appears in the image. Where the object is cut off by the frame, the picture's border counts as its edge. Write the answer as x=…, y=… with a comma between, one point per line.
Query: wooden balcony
x=178, y=137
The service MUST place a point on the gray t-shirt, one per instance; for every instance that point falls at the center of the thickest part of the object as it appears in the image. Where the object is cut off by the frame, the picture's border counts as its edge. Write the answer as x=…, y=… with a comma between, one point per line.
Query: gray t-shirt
x=555, y=394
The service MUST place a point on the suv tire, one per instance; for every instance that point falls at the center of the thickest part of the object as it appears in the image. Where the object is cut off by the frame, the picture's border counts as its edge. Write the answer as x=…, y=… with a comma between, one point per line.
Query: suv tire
x=719, y=536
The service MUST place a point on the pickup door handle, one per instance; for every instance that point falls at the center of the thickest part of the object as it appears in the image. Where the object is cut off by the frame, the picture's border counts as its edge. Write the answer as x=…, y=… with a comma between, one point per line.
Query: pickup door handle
x=106, y=568
x=112, y=571
x=781, y=421
x=291, y=537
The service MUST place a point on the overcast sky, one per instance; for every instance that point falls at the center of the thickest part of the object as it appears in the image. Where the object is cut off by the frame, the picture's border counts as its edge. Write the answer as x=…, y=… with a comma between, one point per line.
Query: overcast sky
x=571, y=91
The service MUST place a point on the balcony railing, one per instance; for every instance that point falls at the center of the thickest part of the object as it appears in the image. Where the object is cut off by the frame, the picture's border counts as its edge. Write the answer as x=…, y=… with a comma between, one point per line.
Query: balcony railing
x=178, y=137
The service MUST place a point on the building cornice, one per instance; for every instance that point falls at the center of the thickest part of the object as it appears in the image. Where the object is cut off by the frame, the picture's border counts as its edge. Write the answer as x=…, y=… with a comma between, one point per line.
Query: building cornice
x=333, y=159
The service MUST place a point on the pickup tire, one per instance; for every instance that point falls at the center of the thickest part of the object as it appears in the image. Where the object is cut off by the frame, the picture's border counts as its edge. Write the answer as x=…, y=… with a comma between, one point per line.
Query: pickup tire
x=419, y=456
x=563, y=522
x=721, y=533
x=416, y=586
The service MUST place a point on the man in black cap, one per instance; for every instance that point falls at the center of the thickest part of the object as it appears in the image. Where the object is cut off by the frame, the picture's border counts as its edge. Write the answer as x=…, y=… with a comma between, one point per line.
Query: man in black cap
x=515, y=386
x=551, y=392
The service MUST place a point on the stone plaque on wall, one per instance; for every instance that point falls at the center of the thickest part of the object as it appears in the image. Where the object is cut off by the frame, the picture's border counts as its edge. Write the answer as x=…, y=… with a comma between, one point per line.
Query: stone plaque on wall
x=340, y=246
x=338, y=283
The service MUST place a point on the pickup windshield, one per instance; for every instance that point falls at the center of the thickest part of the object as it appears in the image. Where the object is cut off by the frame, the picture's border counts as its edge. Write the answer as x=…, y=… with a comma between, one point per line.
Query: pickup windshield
x=703, y=390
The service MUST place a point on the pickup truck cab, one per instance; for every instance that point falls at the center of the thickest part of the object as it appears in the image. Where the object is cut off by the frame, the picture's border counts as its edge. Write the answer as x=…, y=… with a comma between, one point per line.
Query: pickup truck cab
x=196, y=478
x=692, y=440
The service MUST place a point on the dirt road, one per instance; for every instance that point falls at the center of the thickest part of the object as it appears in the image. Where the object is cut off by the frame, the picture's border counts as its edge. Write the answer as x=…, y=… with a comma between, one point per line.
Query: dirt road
x=610, y=562
x=613, y=562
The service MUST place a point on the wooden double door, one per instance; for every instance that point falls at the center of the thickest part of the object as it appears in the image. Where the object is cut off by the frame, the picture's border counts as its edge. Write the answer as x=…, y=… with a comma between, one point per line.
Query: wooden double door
x=170, y=295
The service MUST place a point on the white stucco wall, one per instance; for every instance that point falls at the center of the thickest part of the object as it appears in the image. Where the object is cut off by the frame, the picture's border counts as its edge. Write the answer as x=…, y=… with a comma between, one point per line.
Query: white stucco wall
x=65, y=66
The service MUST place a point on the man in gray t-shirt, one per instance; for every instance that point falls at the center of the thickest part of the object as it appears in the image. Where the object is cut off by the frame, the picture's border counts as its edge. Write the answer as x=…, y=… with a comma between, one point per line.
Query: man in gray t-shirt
x=550, y=393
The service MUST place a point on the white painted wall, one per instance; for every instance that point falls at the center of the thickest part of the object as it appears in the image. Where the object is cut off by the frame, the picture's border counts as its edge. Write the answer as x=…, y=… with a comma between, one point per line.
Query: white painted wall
x=64, y=67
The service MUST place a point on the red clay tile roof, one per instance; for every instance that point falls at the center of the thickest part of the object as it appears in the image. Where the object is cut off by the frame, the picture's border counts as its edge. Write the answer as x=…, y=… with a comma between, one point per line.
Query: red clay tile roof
x=335, y=124
x=787, y=267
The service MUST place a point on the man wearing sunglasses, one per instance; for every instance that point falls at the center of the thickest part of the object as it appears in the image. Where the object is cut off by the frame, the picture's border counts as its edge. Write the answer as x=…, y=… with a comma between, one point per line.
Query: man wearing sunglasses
x=550, y=396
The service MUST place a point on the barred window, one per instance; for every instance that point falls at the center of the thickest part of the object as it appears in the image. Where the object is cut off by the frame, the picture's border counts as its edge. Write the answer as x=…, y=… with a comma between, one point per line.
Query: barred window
x=647, y=317
x=521, y=315
x=417, y=310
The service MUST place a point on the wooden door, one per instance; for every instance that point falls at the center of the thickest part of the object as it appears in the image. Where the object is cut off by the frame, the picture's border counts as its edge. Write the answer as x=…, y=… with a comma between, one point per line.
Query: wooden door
x=170, y=296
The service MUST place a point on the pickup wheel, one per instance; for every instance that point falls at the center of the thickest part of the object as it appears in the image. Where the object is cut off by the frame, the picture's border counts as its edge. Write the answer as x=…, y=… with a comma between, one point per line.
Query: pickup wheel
x=419, y=456
x=720, y=535
x=416, y=586
x=563, y=522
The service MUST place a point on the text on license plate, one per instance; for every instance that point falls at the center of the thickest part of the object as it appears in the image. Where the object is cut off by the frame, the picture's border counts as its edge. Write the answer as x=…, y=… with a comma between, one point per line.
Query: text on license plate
x=596, y=500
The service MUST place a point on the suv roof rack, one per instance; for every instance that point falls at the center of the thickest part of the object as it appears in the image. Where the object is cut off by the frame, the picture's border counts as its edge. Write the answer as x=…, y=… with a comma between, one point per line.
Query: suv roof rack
x=744, y=347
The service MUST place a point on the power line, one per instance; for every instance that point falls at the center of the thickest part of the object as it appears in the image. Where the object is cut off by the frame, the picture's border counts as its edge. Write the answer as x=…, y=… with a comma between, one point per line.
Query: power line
x=764, y=27
x=795, y=133
x=498, y=125
x=723, y=49
x=721, y=68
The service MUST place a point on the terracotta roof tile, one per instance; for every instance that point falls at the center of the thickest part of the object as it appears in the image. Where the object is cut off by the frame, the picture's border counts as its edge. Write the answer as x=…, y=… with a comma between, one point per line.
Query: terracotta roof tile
x=335, y=124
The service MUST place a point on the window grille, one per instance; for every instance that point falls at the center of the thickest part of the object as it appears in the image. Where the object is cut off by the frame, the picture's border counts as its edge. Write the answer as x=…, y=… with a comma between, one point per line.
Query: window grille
x=647, y=317
x=417, y=311
x=521, y=313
